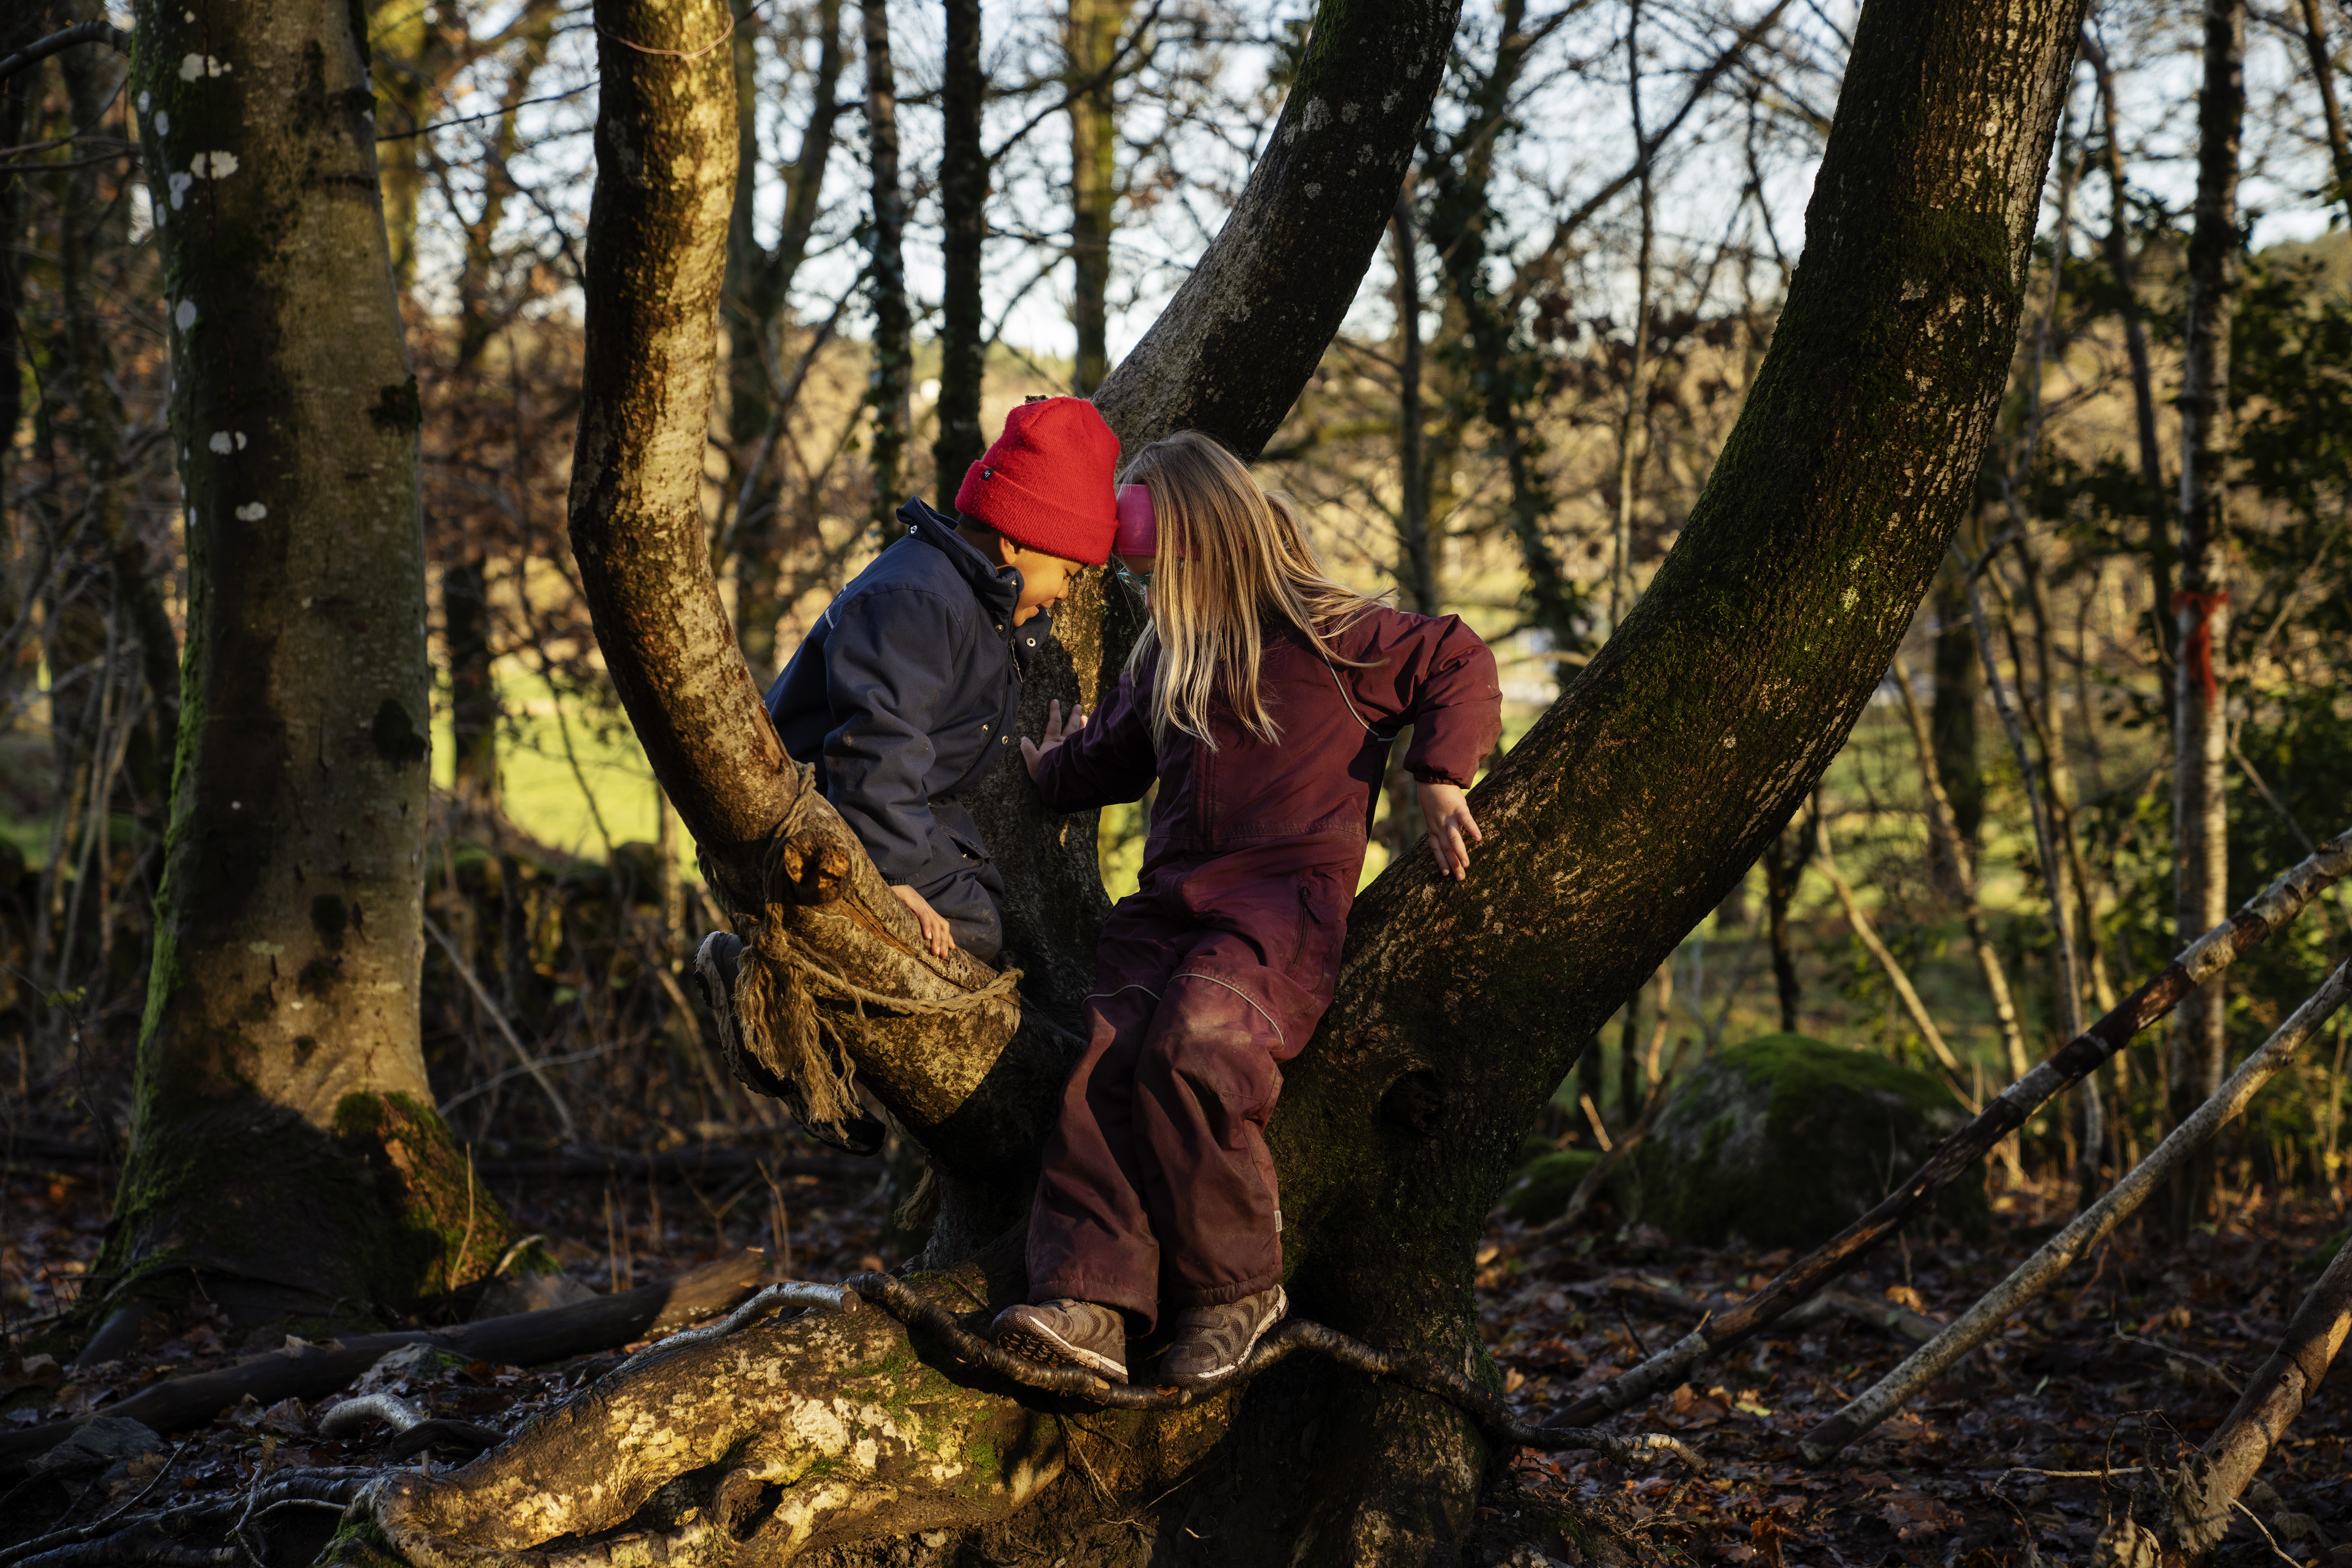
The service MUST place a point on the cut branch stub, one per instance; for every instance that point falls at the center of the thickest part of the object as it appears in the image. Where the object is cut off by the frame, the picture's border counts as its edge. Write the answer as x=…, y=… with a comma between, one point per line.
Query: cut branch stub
x=815, y=868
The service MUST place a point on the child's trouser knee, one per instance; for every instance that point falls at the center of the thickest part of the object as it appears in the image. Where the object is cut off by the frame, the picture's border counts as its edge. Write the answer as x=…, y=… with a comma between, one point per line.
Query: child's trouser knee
x=1205, y=1084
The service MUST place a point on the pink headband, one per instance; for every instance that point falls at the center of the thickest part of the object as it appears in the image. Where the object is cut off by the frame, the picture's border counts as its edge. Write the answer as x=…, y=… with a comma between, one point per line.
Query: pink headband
x=1138, y=533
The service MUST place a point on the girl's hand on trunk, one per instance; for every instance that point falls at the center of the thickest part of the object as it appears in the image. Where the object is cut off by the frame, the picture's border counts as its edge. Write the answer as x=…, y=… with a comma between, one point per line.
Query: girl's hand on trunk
x=1452, y=829
x=935, y=924
x=1055, y=734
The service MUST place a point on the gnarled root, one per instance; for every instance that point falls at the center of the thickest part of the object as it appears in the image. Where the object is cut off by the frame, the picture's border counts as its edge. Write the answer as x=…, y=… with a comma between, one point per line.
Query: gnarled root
x=742, y=1448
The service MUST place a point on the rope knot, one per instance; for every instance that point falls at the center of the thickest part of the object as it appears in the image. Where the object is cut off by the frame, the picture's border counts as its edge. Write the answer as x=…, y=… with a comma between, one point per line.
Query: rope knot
x=781, y=977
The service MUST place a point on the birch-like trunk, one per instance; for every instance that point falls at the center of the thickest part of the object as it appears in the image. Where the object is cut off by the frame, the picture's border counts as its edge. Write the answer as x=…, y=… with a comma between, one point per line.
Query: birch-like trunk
x=2200, y=824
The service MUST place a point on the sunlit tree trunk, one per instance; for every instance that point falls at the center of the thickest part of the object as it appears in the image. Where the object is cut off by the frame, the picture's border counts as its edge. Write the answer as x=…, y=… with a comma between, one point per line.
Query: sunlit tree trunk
x=893, y=349
x=2200, y=825
x=285, y=1144
x=1090, y=45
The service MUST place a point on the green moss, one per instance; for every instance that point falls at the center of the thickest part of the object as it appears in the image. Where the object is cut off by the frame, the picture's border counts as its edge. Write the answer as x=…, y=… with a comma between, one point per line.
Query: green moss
x=1786, y=1138
x=1541, y=1189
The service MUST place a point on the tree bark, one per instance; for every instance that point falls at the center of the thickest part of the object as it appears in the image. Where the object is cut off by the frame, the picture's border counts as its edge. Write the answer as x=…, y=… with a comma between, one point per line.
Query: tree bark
x=1090, y=55
x=1781, y=870
x=1952, y=724
x=894, y=328
x=1959, y=854
x=1232, y=350
x=473, y=684
x=963, y=226
x=2201, y=823
x=2323, y=78
x=2272, y=1398
x=284, y=1139
x=759, y=280
x=1727, y=691
x=1416, y=570
x=2117, y=245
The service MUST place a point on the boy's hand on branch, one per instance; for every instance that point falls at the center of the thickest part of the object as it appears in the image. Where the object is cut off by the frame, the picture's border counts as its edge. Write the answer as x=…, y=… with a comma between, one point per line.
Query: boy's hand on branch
x=1452, y=829
x=934, y=924
x=1055, y=734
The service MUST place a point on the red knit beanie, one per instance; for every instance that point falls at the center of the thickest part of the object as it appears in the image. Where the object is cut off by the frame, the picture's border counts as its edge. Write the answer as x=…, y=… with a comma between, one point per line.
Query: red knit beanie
x=1047, y=483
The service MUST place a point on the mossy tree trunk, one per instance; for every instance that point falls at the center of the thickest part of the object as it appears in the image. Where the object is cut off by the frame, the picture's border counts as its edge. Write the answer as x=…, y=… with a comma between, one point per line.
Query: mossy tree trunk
x=1612, y=828
x=285, y=1144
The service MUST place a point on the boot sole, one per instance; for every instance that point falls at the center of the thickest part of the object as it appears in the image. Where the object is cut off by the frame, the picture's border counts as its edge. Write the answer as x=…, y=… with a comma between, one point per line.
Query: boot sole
x=1051, y=1350
x=1203, y=1380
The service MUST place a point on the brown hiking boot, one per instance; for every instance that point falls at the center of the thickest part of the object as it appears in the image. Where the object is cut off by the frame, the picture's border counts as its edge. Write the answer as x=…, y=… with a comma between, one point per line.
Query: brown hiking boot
x=1211, y=1343
x=1065, y=1332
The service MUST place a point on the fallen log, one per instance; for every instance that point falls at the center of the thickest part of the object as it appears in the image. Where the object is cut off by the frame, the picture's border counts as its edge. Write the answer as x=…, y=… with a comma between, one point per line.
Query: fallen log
x=1892, y=1317
x=2086, y=1230
x=2206, y=957
x=2207, y=1489
x=310, y=1371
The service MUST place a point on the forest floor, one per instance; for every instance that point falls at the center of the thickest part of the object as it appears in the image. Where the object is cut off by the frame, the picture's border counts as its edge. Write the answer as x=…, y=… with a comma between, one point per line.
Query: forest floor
x=2143, y=1348
x=2005, y=1464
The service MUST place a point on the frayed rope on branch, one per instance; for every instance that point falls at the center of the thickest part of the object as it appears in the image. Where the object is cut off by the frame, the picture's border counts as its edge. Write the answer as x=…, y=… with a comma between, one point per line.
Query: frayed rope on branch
x=781, y=977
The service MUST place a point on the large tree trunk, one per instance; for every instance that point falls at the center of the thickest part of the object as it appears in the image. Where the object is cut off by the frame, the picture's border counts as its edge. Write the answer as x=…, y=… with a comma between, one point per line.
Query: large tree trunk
x=1726, y=692
x=285, y=1144
x=2201, y=823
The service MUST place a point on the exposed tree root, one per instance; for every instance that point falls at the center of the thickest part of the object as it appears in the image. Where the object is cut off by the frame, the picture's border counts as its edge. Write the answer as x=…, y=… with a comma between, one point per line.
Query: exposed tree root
x=1424, y=1373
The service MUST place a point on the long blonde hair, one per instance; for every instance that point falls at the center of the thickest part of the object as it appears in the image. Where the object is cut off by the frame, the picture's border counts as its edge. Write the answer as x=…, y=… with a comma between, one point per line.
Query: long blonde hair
x=1232, y=559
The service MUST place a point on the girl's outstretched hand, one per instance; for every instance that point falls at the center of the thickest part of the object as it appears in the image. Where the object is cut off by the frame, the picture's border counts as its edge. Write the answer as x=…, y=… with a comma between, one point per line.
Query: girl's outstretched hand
x=1452, y=829
x=1055, y=734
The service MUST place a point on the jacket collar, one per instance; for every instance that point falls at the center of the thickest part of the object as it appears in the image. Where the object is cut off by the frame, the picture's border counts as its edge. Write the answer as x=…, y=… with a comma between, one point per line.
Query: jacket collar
x=998, y=588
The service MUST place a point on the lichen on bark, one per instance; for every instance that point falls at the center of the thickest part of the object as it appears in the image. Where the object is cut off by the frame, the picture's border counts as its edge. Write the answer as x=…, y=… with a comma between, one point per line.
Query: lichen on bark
x=284, y=1145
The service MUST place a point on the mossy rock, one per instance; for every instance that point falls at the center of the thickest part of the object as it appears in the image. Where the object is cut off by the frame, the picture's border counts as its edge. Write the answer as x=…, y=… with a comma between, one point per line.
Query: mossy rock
x=1786, y=1140
x=1542, y=1188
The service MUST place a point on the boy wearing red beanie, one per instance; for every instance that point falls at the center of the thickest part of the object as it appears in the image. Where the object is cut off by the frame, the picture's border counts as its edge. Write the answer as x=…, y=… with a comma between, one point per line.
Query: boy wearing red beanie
x=906, y=693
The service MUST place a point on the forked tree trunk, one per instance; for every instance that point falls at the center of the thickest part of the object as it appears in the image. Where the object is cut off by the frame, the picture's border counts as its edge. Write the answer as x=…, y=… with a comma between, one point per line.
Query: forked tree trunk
x=1612, y=830
x=285, y=1143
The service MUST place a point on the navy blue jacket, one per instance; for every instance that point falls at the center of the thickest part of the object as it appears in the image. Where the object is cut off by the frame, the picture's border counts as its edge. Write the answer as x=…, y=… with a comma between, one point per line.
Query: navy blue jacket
x=906, y=694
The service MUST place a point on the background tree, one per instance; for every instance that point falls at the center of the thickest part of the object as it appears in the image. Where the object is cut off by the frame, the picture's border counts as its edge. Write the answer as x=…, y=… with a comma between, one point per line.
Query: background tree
x=285, y=1149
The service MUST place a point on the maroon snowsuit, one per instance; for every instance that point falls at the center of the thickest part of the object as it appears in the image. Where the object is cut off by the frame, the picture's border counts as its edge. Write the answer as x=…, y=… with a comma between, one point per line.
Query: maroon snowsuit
x=1157, y=1184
